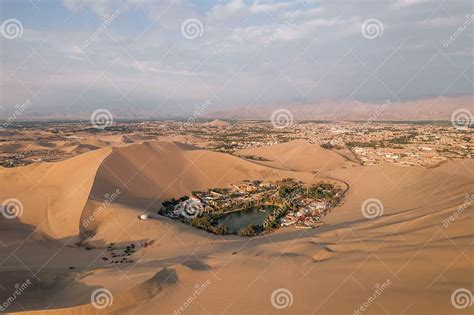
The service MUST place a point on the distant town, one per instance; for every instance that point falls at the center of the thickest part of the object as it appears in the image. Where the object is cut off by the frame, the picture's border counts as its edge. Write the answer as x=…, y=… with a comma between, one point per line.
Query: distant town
x=425, y=144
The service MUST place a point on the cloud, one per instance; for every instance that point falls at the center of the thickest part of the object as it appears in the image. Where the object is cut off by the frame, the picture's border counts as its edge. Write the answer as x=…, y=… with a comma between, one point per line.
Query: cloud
x=102, y=8
x=441, y=22
x=259, y=7
x=223, y=11
x=250, y=51
x=408, y=3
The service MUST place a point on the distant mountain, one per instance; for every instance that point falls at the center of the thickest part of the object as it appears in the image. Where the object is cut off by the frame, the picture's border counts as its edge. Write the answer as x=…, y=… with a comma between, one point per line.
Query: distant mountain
x=440, y=108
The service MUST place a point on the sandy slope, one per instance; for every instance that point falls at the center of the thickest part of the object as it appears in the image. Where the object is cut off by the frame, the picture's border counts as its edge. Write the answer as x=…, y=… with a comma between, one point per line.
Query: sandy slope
x=53, y=194
x=154, y=171
x=298, y=155
x=330, y=270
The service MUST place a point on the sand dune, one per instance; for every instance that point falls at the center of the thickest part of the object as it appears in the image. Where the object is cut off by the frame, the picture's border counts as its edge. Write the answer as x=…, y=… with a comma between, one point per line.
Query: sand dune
x=297, y=155
x=53, y=194
x=18, y=147
x=333, y=269
x=155, y=171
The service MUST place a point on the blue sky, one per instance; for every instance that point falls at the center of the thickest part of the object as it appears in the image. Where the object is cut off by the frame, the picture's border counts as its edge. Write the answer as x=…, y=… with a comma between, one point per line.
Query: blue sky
x=132, y=56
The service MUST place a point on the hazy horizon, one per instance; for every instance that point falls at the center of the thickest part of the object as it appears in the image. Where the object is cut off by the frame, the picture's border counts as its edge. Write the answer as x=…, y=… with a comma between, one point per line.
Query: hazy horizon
x=164, y=59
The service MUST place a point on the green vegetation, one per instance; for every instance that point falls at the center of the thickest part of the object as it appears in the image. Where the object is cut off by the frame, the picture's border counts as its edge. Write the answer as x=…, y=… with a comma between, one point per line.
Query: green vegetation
x=267, y=204
x=404, y=139
x=170, y=204
x=273, y=220
x=359, y=144
x=254, y=158
x=205, y=223
x=209, y=224
x=327, y=145
x=251, y=230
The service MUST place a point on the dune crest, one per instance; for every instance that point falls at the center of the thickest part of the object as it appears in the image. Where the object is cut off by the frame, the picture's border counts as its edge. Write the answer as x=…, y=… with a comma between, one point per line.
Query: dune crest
x=53, y=195
x=297, y=155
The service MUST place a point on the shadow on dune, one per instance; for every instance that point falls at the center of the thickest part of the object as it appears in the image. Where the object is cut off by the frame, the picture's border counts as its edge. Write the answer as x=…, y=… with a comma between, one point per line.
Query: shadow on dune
x=46, y=290
x=56, y=291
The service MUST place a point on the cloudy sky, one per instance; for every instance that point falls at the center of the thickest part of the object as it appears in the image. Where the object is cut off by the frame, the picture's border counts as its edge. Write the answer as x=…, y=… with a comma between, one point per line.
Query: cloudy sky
x=165, y=57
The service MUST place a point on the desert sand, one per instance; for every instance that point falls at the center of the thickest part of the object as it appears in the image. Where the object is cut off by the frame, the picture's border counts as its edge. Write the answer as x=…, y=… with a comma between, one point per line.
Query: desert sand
x=297, y=155
x=333, y=269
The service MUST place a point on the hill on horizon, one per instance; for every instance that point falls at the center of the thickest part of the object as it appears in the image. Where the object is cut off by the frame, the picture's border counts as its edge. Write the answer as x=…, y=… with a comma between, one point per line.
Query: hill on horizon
x=440, y=108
